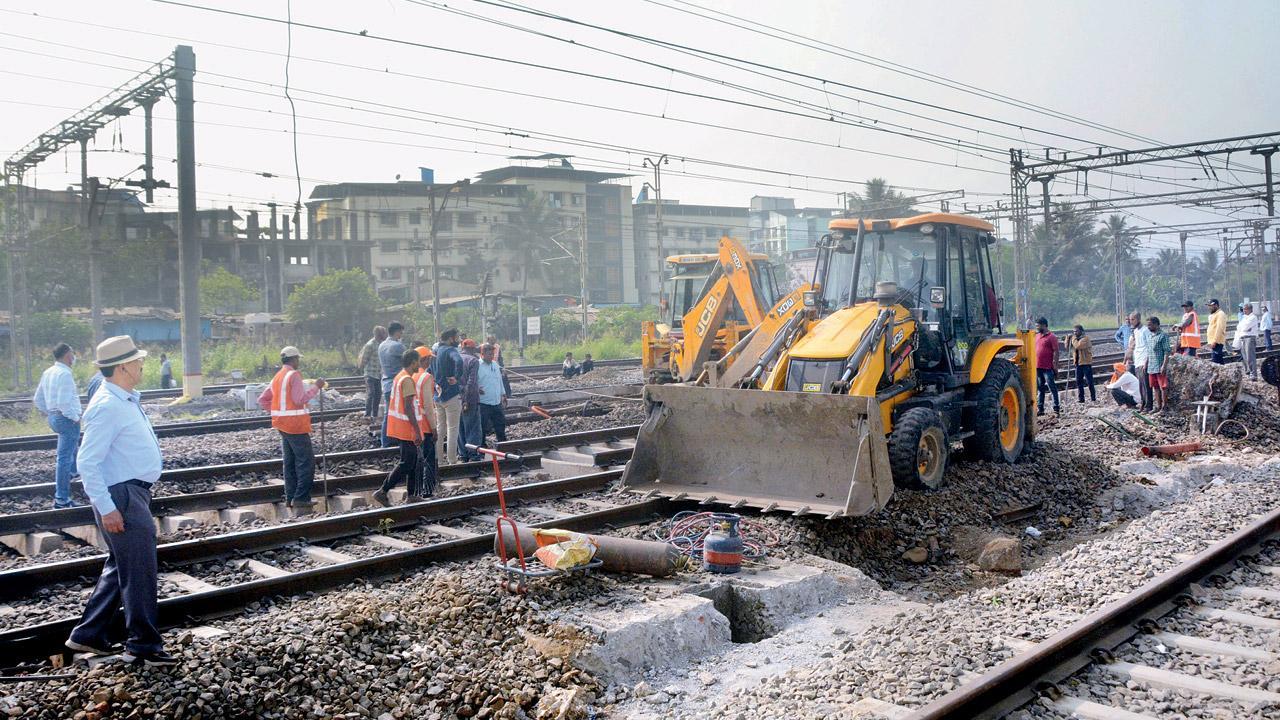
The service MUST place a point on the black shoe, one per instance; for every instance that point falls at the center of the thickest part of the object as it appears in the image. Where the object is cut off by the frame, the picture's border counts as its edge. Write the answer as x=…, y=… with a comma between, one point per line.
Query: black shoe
x=89, y=648
x=159, y=658
x=1039, y=412
x=381, y=498
x=63, y=505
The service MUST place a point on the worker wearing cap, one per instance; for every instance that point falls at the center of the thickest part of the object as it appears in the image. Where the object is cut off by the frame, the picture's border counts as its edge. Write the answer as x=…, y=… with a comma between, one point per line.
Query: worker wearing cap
x=472, y=427
x=119, y=461
x=424, y=386
x=403, y=428
x=1217, y=333
x=286, y=399
x=1189, y=330
x=1124, y=386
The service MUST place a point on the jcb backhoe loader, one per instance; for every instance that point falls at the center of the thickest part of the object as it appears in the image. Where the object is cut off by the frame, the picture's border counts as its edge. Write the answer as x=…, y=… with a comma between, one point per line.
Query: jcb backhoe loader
x=718, y=299
x=897, y=355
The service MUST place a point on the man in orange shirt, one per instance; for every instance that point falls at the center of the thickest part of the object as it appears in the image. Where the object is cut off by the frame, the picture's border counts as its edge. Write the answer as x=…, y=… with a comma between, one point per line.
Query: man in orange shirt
x=286, y=399
x=403, y=428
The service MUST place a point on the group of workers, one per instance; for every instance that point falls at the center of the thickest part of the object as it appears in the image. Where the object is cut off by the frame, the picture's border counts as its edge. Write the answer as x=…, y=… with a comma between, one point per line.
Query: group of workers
x=1141, y=380
x=438, y=399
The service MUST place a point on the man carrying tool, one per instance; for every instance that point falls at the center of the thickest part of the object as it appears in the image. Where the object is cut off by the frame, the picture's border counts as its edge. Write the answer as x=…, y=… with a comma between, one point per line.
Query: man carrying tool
x=1159, y=349
x=424, y=387
x=493, y=397
x=1123, y=386
x=286, y=399
x=1081, y=349
x=403, y=427
x=1217, y=333
x=1189, y=330
x=1047, y=348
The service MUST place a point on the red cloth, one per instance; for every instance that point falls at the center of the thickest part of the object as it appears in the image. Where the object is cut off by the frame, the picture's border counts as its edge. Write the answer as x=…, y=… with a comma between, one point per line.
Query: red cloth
x=1160, y=380
x=1047, y=349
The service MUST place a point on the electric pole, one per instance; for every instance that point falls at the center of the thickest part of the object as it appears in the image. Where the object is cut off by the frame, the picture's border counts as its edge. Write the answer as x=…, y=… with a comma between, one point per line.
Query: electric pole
x=92, y=191
x=582, y=271
x=435, y=249
x=188, y=231
x=657, y=194
x=1182, y=241
x=1115, y=267
x=417, y=249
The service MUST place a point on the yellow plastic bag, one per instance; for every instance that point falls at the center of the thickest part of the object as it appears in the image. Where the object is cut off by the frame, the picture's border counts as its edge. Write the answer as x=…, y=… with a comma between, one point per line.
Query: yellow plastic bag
x=575, y=551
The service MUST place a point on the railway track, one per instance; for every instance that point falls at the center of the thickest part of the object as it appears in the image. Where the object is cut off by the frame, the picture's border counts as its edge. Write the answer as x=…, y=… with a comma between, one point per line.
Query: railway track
x=1174, y=613
x=366, y=545
x=347, y=383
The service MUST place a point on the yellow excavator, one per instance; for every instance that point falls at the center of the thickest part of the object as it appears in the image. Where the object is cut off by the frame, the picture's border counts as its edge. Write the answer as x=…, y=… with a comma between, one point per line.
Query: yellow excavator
x=718, y=300
x=896, y=354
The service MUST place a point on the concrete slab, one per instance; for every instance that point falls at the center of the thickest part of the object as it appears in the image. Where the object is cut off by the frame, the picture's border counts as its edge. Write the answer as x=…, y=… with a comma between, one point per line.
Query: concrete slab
x=325, y=555
x=873, y=709
x=174, y=523
x=205, y=632
x=449, y=531
x=87, y=534
x=32, y=544
x=188, y=583
x=646, y=636
x=397, y=495
x=267, y=571
x=347, y=503
x=237, y=515
x=388, y=542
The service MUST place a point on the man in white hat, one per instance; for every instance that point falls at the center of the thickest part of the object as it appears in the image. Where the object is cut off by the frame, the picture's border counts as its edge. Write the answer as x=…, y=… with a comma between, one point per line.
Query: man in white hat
x=119, y=460
x=286, y=399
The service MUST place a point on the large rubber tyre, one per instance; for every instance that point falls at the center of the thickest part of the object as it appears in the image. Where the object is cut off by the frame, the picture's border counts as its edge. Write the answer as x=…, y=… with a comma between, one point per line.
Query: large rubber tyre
x=918, y=449
x=998, y=417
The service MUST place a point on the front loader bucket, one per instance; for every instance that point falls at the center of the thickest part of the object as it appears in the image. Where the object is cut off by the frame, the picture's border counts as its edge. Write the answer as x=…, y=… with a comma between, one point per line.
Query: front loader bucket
x=803, y=453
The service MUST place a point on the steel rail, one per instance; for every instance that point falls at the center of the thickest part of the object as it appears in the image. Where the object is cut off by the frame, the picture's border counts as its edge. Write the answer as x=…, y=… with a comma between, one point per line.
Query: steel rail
x=1016, y=681
x=202, y=472
x=16, y=582
x=349, y=381
x=41, y=640
x=163, y=505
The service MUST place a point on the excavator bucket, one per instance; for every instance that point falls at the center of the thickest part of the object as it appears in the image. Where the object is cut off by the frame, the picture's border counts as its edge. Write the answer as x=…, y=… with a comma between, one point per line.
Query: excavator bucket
x=804, y=453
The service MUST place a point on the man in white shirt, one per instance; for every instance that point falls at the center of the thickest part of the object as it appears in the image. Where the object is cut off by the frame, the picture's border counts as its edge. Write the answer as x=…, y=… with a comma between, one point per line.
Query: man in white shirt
x=1139, y=350
x=1124, y=387
x=1247, y=333
x=57, y=397
x=1266, y=325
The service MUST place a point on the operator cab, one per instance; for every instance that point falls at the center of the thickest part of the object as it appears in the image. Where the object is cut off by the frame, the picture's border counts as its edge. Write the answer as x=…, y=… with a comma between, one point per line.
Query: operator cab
x=941, y=265
x=692, y=276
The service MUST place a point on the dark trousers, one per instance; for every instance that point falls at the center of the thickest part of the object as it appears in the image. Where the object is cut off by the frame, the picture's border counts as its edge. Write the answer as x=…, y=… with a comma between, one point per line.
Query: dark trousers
x=166, y=382
x=1123, y=398
x=1188, y=351
x=299, y=466
x=472, y=433
x=1084, y=378
x=1266, y=335
x=1144, y=387
x=387, y=441
x=493, y=418
x=128, y=576
x=406, y=470
x=428, y=472
x=1045, y=380
x=373, y=396
x=1218, y=354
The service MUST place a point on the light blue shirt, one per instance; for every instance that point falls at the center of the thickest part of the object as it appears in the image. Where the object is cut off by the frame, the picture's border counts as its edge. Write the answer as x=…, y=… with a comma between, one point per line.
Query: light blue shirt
x=390, y=359
x=57, y=393
x=489, y=377
x=118, y=445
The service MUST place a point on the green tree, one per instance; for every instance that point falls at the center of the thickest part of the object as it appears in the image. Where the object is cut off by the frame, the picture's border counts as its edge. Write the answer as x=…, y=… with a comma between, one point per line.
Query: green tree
x=529, y=232
x=50, y=328
x=334, y=307
x=222, y=292
x=879, y=200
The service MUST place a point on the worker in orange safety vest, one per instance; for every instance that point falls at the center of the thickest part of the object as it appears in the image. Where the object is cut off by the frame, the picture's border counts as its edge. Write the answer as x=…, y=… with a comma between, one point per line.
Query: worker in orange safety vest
x=424, y=386
x=286, y=399
x=403, y=428
x=1189, y=330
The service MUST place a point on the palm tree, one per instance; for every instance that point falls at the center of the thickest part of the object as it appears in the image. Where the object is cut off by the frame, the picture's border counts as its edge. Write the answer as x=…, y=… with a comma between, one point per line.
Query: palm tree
x=1124, y=247
x=1070, y=252
x=527, y=233
x=1167, y=262
x=880, y=200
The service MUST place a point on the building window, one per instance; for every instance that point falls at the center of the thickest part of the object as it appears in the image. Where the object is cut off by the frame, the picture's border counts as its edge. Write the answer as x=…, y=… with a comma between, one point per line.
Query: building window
x=577, y=199
x=389, y=246
x=680, y=233
x=415, y=218
x=466, y=219
x=389, y=273
x=387, y=219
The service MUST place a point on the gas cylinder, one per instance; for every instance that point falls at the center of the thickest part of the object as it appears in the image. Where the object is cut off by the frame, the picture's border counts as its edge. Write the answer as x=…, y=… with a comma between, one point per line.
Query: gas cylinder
x=722, y=548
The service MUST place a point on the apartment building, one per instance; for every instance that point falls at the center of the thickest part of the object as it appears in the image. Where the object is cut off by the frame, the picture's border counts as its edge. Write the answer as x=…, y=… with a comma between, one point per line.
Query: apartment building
x=685, y=229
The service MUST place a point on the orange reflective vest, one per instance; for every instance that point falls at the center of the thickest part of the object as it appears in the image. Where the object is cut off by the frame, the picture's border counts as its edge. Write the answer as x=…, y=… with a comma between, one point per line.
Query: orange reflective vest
x=426, y=387
x=398, y=425
x=1191, y=333
x=285, y=415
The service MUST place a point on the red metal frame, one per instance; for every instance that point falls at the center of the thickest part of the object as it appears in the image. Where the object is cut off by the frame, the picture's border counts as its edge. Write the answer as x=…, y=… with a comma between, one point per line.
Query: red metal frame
x=503, y=517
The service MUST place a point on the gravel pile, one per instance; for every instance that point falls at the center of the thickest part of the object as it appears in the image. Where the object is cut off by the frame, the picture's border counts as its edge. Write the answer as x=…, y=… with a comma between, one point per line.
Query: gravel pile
x=920, y=655
x=441, y=644
x=618, y=412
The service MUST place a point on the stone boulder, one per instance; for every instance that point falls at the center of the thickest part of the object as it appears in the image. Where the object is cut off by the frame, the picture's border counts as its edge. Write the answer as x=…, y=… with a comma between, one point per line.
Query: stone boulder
x=1191, y=379
x=1001, y=554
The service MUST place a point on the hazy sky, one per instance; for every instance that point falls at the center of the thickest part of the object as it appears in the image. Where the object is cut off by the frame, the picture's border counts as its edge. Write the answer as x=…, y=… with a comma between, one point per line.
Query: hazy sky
x=369, y=109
